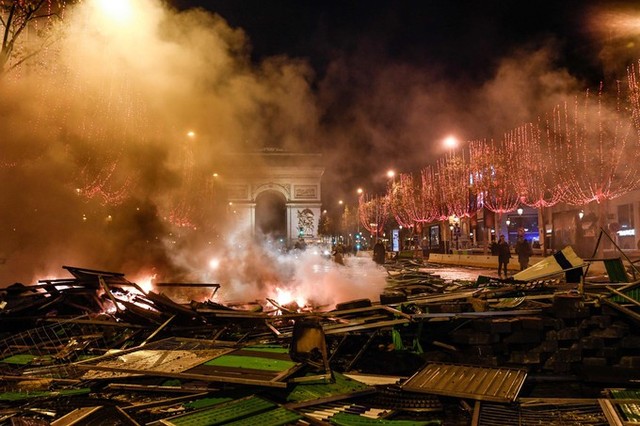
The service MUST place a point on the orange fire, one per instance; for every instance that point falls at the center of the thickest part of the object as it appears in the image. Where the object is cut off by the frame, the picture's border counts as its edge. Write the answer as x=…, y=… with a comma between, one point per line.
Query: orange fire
x=146, y=282
x=285, y=297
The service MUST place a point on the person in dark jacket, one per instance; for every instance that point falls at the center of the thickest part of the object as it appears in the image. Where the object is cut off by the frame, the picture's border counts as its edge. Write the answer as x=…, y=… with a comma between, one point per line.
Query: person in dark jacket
x=524, y=252
x=338, y=254
x=504, y=254
x=493, y=247
x=378, y=253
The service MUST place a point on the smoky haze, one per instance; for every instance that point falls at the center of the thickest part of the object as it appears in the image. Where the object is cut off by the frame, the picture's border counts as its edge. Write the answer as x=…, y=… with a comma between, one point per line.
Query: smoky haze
x=98, y=169
x=398, y=115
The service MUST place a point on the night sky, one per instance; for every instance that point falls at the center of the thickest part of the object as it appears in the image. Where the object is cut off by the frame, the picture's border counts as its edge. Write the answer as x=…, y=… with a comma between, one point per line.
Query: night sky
x=465, y=37
x=378, y=65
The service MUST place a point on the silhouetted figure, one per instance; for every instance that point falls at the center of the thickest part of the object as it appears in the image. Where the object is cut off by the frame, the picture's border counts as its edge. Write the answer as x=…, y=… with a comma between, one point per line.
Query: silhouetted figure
x=338, y=254
x=378, y=253
x=504, y=254
x=300, y=244
x=524, y=252
x=493, y=247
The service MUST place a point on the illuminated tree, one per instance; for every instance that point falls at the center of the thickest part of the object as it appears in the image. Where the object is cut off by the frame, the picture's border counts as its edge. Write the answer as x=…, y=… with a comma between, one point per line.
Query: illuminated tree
x=182, y=207
x=633, y=75
x=458, y=196
x=402, y=195
x=18, y=17
x=537, y=175
x=373, y=213
x=324, y=225
x=105, y=184
x=493, y=169
x=600, y=150
x=429, y=204
x=349, y=220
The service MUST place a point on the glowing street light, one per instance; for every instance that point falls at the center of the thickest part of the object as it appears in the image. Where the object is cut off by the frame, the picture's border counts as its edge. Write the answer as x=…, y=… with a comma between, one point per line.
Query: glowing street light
x=359, y=191
x=191, y=134
x=116, y=10
x=520, y=211
x=451, y=142
x=391, y=174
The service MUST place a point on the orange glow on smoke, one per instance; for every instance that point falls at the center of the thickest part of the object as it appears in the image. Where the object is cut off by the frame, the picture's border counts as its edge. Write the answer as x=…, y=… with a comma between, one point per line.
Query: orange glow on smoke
x=284, y=297
x=146, y=283
x=214, y=263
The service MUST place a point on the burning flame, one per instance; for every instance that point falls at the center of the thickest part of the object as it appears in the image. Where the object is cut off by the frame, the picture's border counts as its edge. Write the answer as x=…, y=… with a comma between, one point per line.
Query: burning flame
x=146, y=283
x=284, y=297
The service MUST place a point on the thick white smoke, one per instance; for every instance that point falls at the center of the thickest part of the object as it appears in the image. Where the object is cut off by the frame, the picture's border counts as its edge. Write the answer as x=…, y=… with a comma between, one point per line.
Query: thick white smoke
x=98, y=167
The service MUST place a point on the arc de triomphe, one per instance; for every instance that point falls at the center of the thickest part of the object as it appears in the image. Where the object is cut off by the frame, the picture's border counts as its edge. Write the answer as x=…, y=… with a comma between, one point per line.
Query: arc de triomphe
x=276, y=193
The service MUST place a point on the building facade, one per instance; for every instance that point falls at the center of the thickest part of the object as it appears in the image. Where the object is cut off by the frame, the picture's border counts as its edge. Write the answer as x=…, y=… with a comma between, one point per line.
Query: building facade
x=552, y=228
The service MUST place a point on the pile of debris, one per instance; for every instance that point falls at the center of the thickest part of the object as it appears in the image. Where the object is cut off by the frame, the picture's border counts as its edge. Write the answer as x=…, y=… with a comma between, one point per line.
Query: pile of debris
x=96, y=349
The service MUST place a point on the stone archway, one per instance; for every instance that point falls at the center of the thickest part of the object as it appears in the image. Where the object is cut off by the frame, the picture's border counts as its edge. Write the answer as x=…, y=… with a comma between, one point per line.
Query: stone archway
x=271, y=215
x=276, y=193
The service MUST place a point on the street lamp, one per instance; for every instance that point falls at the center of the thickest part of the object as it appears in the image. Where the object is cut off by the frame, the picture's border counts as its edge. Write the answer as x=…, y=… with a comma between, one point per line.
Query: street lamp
x=451, y=142
x=520, y=211
x=359, y=191
x=581, y=214
x=451, y=237
x=390, y=174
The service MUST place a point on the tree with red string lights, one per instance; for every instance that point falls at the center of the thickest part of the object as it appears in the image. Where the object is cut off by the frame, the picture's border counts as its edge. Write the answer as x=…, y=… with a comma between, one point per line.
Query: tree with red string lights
x=373, y=212
x=402, y=195
x=106, y=184
x=601, y=148
x=16, y=17
x=349, y=221
x=457, y=194
x=600, y=151
x=536, y=177
x=428, y=204
x=493, y=167
x=454, y=180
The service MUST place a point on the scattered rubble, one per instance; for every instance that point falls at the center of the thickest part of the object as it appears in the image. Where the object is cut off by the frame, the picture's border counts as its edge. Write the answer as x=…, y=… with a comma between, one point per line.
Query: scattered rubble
x=97, y=349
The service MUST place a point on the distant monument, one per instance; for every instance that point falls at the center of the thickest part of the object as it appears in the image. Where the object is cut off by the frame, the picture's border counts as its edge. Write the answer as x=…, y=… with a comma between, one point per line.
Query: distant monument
x=275, y=192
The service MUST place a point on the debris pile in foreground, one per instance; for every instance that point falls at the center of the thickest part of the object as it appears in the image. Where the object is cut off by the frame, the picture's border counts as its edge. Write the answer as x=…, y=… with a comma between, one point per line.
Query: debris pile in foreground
x=96, y=349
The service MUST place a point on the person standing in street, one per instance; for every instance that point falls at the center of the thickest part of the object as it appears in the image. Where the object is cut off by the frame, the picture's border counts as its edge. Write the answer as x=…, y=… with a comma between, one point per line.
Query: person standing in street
x=378, y=253
x=524, y=252
x=504, y=254
x=338, y=254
